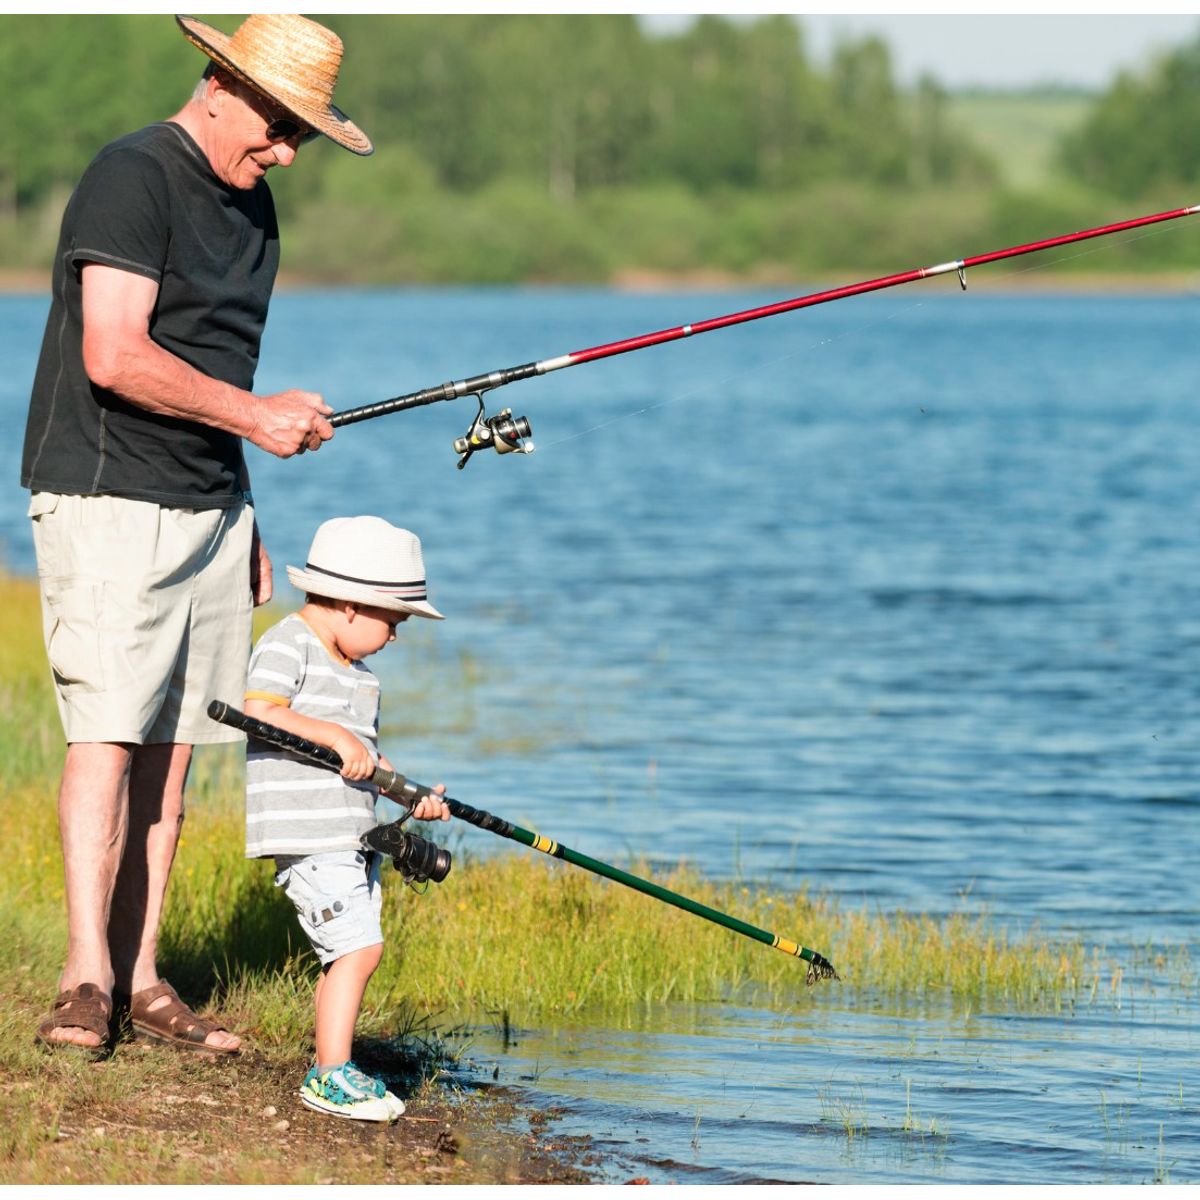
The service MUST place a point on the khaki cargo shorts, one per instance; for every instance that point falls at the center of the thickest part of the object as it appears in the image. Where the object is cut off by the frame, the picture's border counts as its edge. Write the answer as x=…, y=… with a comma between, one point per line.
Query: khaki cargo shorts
x=145, y=613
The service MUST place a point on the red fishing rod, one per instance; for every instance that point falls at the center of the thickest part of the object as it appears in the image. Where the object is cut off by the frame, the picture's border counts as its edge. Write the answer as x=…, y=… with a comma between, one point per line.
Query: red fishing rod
x=506, y=433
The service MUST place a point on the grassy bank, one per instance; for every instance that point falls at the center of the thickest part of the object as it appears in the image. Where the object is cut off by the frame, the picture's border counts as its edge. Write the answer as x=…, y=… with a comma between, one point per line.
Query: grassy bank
x=514, y=931
x=153, y=1116
x=516, y=935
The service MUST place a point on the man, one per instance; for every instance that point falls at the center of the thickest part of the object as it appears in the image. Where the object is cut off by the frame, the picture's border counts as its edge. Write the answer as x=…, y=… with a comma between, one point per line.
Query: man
x=148, y=556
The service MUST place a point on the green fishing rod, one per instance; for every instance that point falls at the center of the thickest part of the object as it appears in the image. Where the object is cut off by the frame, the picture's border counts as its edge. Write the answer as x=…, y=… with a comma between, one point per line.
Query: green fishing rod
x=420, y=860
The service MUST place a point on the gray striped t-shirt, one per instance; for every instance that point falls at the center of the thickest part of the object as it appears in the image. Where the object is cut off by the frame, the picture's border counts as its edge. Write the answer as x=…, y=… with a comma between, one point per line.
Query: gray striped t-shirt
x=294, y=807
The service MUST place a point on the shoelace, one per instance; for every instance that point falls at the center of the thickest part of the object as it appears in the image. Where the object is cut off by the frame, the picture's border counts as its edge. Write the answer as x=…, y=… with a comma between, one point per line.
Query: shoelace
x=337, y=1079
x=360, y=1079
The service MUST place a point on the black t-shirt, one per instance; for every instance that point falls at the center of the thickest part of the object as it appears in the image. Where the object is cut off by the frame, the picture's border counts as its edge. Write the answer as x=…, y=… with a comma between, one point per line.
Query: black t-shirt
x=150, y=203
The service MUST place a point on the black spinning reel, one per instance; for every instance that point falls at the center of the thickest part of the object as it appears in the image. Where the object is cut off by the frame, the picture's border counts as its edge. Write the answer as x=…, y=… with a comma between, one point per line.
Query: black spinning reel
x=416, y=859
x=503, y=432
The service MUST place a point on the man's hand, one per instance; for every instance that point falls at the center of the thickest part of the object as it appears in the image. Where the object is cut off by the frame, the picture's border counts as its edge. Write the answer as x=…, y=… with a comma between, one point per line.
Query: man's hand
x=290, y=422
x=261, y=583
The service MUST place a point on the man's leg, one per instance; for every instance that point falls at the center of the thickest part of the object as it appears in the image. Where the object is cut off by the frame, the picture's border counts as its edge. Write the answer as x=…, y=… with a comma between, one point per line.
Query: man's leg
x=93, y=803
x=156, y=785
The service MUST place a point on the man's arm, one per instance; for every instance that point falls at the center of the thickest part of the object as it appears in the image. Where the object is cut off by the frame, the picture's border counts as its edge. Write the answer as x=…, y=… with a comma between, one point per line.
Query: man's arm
x=120, y=356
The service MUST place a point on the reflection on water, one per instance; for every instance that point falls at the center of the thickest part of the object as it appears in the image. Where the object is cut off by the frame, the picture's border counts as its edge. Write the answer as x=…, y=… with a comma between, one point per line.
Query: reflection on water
x=876, y=1092
x=897, y=598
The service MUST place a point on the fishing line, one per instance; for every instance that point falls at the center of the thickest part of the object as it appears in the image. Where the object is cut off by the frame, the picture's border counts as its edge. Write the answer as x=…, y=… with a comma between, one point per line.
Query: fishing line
x=507, y=434
x=701, y=389
x=877, y=322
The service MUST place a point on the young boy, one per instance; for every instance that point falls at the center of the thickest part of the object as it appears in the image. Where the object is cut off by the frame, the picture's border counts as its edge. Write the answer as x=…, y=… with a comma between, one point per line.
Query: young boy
x=362, y=579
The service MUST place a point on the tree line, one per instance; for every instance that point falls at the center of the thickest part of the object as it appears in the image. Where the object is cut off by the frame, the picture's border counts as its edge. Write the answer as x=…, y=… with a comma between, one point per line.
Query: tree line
x=572, y=146
x=575, y=102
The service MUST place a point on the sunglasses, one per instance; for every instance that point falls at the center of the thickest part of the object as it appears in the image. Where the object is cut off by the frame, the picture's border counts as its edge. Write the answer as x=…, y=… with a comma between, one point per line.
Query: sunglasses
x=284, y=129
x=279, y=129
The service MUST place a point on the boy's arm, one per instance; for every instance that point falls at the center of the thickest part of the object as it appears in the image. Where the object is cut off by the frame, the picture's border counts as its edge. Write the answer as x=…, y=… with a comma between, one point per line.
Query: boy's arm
x=357, y=762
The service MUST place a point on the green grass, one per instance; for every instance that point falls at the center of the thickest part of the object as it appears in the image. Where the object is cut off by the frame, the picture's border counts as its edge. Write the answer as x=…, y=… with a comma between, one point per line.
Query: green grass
x=1020, y=131
x=527, y=935
x=513, y=932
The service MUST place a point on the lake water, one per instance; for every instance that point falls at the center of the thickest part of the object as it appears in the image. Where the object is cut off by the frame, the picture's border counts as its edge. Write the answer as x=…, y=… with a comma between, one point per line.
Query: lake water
x=896, y=598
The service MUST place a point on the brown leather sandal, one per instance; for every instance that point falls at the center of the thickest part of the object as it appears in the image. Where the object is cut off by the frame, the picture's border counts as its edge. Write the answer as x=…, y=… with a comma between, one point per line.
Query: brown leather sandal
x=82, y=1007
x=172, y=1023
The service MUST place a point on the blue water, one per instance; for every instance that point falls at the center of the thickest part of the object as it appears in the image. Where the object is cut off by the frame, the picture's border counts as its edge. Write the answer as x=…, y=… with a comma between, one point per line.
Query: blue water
x=897, y=598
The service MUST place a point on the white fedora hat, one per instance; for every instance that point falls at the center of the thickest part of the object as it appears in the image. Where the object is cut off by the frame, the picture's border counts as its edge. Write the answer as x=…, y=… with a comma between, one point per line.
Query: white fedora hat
x=289, y=58
x=368, y=561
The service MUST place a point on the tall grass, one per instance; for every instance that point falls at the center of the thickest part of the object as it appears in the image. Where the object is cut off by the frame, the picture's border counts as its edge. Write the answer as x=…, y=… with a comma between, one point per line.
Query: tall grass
x=515, y=932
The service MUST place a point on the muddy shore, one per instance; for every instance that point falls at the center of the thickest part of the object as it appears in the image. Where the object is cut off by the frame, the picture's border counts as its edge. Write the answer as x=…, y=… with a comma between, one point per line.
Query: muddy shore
x=160, y=1115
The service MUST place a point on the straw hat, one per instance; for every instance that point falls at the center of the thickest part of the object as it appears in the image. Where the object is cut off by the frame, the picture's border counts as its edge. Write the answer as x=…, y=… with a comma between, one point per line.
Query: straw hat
x=289, y=58
x=367, y=561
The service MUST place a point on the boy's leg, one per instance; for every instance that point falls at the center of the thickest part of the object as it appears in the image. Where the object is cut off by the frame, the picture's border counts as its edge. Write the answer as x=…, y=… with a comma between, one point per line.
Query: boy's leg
x=338, y=999
x=338, y=902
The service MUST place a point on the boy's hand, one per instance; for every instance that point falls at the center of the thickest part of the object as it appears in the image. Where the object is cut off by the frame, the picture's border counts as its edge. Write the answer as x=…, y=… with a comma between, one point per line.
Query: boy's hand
x=357, y=762
x=432, y=807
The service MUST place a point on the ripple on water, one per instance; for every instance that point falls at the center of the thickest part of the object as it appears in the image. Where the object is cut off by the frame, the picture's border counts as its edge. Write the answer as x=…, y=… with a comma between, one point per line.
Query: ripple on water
x=806, y=612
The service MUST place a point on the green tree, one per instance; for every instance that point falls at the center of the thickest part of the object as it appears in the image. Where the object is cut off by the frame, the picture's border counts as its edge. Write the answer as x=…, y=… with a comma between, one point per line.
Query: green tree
x=68, y=97
x=867, y=126
x=940, y=153
x=1141, y=135
x=788, y=104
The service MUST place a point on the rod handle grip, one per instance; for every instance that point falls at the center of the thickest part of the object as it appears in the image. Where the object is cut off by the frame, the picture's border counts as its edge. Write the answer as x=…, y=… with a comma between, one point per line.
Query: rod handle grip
x=391, y=783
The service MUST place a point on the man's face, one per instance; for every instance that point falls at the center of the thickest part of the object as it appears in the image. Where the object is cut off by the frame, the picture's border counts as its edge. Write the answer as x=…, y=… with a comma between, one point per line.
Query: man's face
x=245, y=147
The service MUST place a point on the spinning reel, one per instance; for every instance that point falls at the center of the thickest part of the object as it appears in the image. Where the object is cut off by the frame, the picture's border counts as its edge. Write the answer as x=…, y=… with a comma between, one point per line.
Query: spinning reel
x=416, y=859
x=503, y=433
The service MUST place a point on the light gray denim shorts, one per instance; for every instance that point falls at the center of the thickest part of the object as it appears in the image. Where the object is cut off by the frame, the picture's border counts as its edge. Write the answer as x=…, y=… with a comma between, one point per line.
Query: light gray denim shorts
x=337, y=897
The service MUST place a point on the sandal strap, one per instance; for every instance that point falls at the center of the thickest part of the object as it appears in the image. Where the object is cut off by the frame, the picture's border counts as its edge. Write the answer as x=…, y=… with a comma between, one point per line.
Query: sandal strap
x=82, y=1007
x=140, y=1001
x=173, y=1019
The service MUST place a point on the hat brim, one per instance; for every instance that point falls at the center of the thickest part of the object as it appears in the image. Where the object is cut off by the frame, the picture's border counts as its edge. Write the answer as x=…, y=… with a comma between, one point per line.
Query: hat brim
x=319, y=584
x=331, y=121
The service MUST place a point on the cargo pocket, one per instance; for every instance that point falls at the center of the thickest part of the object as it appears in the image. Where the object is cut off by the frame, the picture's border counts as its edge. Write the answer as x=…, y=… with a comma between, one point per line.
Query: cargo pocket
x=73, y=644
x=334, y=926
x=328, y=911
x=41, y=503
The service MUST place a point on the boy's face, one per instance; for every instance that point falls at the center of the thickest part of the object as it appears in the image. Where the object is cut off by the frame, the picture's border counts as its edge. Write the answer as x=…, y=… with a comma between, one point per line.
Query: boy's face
x=367, y=629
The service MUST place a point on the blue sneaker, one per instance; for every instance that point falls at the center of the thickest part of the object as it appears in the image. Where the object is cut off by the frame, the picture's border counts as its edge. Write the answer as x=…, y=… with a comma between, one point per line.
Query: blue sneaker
x=357, y=1076
x=346, y=1092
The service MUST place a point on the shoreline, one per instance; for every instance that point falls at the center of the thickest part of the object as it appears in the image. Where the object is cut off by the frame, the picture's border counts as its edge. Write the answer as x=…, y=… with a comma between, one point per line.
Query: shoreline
x=159, y=1122
x=633, y=280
